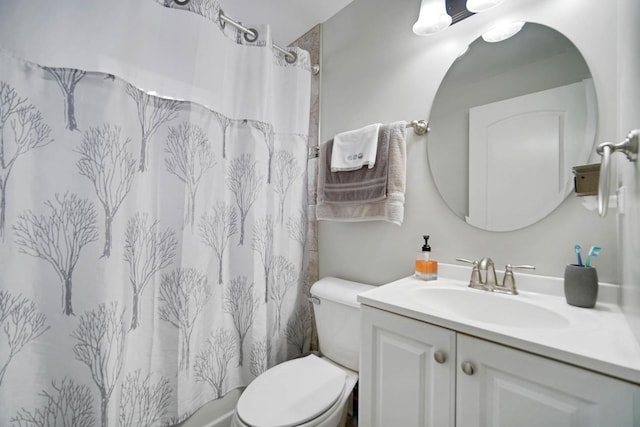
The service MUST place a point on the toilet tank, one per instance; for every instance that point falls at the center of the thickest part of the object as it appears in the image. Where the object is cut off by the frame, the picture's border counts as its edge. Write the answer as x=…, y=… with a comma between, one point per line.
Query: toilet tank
x=337, y=315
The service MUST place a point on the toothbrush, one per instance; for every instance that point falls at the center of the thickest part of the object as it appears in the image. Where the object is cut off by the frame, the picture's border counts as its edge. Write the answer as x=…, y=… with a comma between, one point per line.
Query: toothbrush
x=594, y=251
x=578, y=249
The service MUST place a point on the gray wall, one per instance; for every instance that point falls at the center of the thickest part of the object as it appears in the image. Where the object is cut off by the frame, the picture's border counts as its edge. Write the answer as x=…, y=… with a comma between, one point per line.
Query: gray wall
x=374, y=69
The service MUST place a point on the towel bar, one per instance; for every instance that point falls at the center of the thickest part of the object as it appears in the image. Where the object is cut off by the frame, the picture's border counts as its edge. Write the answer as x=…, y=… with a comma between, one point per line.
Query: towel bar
x=420, y=127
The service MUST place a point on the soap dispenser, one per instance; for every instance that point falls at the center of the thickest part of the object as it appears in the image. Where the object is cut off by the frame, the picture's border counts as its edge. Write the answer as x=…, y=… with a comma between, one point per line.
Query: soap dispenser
x=426, y=268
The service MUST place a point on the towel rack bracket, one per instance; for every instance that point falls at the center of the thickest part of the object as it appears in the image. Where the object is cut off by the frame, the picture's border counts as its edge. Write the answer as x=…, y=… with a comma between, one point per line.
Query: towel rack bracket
x=630, y=148
x=420, y=127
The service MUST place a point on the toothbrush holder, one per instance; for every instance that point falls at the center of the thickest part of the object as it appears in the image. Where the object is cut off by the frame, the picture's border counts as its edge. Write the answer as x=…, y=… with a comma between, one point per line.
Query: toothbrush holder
x=580, y=285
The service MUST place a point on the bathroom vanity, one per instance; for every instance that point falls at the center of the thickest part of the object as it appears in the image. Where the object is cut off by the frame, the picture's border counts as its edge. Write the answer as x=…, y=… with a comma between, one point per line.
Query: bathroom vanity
x=438, y=353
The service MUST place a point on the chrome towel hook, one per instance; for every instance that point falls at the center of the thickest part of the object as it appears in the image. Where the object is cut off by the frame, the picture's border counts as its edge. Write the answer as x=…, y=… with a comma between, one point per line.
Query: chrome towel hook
x=630, y=148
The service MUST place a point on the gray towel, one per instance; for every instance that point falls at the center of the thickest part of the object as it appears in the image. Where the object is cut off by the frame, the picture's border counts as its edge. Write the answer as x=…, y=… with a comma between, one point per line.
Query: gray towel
x=358, y=186
x=391, y=208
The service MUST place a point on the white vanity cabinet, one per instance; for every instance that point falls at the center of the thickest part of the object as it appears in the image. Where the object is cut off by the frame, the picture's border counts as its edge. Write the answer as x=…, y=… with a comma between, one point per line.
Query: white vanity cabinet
x=415, y=374
x=508, y=387
x=401, y=382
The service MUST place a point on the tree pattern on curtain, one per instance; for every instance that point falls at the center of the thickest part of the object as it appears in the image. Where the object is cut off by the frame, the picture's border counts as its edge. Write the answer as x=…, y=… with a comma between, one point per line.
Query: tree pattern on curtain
x=173, y=237
x=101, y=339
x=58, y=237
x=68, y=404
x=152, y=113
x=22, y=323
x=147, y=251
x=216, y=230
x=183, y=294
x=110, y=167
x=67, y=79
x=28, y=132
x=189, y=156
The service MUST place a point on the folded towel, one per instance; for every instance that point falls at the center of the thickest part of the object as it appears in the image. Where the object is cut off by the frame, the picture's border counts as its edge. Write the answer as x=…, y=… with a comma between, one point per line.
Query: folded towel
x=389, y=209
x=357, y=186
x=354, y=149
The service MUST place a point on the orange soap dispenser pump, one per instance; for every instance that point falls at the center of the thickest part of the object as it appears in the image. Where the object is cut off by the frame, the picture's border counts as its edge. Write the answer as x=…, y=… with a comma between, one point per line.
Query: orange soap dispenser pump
x=426, y=268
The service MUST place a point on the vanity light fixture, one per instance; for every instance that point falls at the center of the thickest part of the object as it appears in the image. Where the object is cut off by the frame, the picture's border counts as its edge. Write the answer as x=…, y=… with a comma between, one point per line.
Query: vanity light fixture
x=433, y=17
x=481, y=5
x=463, y=51
x=502, y=31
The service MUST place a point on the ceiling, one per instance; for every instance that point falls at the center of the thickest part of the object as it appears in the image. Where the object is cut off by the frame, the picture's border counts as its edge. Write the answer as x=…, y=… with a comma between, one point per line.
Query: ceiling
x=289, y=19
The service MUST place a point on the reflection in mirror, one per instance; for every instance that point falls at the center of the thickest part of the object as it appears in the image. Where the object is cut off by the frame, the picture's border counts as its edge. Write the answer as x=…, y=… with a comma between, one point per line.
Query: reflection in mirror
x=508, y=122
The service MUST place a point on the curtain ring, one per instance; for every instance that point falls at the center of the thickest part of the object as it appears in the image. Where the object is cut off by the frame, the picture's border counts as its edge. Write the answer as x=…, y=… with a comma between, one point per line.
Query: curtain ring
x=291, y=57
x=221, y=21
x=251, y=35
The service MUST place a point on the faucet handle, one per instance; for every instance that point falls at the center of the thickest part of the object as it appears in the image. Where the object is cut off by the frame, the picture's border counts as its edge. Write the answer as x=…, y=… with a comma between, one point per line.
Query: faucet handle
x=522, y=267
x=474, y=282
x=509, y=281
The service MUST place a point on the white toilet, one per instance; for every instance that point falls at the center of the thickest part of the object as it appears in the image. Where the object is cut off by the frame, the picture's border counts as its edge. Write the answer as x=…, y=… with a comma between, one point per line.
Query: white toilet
x=312, y=391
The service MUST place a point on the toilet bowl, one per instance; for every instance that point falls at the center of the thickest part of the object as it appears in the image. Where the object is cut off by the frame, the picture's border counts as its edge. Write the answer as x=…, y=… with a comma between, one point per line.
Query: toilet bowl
x=312, y=391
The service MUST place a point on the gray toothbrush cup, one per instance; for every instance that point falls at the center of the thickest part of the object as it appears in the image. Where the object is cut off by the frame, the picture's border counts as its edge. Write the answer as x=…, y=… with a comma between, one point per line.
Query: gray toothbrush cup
x=581, y=286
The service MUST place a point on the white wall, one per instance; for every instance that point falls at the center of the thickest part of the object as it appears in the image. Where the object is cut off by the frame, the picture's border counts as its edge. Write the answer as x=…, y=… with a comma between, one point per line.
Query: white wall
x=374, y=69
x=629, y=118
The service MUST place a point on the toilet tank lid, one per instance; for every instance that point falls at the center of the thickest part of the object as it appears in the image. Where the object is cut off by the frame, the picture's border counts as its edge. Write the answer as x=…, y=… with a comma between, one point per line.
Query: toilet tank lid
x=339, y=290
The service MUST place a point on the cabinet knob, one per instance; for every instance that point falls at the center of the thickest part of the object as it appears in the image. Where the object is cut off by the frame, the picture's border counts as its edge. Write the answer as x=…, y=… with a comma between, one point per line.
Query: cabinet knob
x=440, y=356
x=467, y=368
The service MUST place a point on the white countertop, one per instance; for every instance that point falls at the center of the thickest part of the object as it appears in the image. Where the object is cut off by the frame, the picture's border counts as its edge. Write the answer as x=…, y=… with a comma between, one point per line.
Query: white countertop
x=598, y=339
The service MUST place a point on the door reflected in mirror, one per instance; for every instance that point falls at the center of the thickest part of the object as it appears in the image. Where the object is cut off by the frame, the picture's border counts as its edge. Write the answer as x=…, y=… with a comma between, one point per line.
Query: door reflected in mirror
x=508, y=122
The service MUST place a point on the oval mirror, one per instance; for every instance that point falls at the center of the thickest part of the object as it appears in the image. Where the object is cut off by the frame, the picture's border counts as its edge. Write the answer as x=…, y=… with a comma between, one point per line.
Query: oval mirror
x=508, y=122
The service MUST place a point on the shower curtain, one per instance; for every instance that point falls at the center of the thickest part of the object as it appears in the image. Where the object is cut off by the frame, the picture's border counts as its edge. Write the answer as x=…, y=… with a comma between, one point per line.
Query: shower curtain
x=151, y=247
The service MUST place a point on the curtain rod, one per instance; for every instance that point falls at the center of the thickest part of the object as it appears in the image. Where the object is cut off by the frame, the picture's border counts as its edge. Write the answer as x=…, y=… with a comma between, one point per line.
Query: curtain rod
x=250, y=34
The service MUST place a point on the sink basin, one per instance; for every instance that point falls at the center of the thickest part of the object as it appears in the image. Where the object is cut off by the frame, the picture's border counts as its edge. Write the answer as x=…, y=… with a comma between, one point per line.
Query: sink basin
x=489, y=307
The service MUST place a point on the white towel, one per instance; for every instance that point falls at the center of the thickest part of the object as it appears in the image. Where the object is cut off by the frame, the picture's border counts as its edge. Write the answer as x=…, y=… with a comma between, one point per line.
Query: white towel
x=354, y=149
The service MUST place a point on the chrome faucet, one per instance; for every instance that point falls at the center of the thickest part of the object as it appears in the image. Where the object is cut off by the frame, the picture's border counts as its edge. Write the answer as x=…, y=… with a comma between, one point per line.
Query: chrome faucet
x=487, y=270
x=483, y=276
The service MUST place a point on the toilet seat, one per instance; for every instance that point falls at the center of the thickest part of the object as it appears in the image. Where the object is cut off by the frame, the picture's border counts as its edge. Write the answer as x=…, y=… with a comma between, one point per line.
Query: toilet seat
x=291, y=393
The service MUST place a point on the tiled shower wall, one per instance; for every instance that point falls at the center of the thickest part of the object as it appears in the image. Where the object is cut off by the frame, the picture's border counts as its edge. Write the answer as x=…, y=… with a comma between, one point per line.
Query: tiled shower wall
x=311, y=43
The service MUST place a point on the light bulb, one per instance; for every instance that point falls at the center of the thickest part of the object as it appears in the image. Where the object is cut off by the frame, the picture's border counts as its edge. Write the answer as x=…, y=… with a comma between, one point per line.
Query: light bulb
x=481, y=5
x=463, y=51
x=433, y=17
x=502, y=32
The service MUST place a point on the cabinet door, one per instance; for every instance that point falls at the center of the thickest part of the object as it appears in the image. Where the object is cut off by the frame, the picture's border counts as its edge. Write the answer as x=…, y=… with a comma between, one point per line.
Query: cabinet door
x=401, y=382
x=509, y=387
